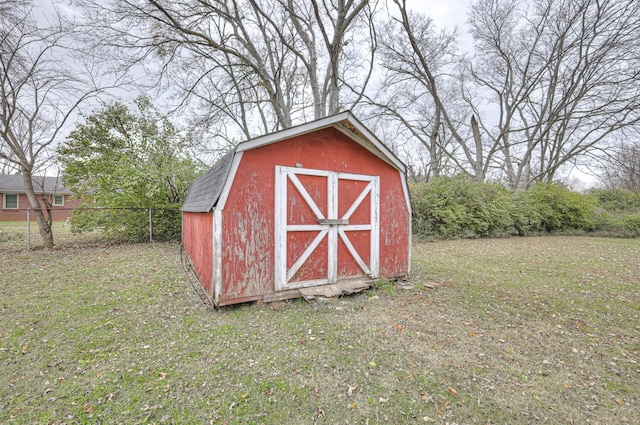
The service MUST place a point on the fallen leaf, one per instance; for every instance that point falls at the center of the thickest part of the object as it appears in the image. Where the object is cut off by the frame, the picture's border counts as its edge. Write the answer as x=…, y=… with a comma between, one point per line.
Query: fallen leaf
x=400, y=327
x=620, y=401
x=453, y=391
x=163, y=375
x=351, y=388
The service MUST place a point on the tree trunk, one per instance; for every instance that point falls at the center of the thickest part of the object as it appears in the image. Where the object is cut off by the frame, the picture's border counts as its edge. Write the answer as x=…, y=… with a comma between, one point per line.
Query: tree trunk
x=479, y=171
x=434, y=150
x=44, y=222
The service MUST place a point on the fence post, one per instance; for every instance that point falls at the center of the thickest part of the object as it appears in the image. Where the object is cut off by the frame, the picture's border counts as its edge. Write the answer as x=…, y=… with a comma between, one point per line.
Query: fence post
x=150, y=227
x=29, y=229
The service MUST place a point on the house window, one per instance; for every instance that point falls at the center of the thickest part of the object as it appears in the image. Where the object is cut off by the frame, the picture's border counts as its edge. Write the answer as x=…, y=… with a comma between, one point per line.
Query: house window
x=58, y=200
x=11, y=201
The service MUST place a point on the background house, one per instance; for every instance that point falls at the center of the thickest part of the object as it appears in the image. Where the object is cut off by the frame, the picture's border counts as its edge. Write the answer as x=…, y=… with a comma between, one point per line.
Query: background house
x=14, y=203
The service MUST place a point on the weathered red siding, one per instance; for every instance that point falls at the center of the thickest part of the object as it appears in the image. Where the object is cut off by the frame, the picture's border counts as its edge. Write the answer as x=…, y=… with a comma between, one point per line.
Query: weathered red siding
x=197, y=237
x=248, y=217
x=59, y=213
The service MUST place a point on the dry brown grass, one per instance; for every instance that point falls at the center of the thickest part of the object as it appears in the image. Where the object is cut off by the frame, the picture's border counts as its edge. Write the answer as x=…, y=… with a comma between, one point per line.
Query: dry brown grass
x=534, y=330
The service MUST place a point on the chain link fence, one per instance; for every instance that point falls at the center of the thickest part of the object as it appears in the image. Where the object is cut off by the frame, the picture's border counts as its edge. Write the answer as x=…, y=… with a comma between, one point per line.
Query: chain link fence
x=86, y=226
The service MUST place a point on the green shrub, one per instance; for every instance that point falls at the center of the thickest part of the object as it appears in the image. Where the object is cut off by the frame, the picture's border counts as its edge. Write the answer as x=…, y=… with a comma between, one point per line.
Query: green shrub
x=617, y=200
x=88, y=220
x=461, y=207
x=618, y=212
x=526, y=216
x=167, y=225
x=562, y=210
x=632, y=224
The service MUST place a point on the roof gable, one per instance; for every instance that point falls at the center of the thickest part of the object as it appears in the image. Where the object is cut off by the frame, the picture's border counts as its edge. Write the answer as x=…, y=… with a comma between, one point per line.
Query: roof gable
x=345, y=122
x=206, y=190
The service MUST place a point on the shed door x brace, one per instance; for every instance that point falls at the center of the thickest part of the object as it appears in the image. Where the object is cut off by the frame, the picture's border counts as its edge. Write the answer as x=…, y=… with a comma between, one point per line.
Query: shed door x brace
x=327, y=227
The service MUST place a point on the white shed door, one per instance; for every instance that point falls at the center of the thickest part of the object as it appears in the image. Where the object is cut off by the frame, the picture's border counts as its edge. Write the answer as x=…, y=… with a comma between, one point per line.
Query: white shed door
x=326, y=227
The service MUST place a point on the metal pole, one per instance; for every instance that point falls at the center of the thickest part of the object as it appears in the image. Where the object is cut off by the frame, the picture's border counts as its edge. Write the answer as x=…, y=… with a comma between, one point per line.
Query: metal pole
x=29, y=229
x=150, y=227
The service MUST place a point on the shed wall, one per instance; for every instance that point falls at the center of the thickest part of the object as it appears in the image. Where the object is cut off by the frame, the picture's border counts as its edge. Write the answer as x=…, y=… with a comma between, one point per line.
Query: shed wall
x=248, y=216
x=197, y=238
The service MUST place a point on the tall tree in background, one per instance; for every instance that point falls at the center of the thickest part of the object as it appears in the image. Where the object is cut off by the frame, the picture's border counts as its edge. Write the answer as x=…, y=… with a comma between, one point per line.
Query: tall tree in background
x=419, y=90
x=551, y=84
x=249, y=66
x=622, y=170
x=43, y=81
x=8, y=8
x=564, y=76
x=124, y=160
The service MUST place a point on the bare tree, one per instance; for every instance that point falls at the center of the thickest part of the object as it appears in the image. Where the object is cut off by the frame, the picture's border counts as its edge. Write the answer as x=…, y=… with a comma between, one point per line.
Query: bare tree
x=8, y=8
x=563, y=75
x=41, y=86
x=552, y=84
x=252, y=65
x=421, y=90
x=622, y=171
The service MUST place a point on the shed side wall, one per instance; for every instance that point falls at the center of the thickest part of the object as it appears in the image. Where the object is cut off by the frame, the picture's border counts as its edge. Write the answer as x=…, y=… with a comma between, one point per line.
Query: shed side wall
x=197, y=238
x=248, y=230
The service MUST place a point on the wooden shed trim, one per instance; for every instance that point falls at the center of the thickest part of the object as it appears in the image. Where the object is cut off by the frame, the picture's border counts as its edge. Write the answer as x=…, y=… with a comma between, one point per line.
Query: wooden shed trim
x=217, y=227
x=407, y=198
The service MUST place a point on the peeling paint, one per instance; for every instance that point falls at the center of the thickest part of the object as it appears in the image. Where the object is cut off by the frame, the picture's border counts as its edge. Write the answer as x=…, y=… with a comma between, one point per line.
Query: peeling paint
x=249, y=256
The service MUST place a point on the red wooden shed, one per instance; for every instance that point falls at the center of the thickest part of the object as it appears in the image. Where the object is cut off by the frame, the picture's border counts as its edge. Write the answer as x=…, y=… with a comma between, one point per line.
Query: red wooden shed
x=323, y=205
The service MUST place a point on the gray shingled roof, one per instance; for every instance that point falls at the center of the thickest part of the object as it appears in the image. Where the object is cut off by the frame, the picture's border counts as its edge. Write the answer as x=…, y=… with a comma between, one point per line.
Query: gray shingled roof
x=204, y=192
x=13, y=183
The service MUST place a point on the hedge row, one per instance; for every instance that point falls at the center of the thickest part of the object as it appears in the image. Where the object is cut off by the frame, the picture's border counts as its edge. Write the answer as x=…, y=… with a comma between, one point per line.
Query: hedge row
x=459, y=207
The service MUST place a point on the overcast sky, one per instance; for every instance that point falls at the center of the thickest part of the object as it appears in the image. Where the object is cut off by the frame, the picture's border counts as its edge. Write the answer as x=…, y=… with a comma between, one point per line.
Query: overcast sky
x=447, y=14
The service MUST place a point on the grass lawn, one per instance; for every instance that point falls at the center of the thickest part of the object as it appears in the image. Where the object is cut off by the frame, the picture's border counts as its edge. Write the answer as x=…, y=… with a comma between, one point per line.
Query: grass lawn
x=521, y=330
x=14, y=236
